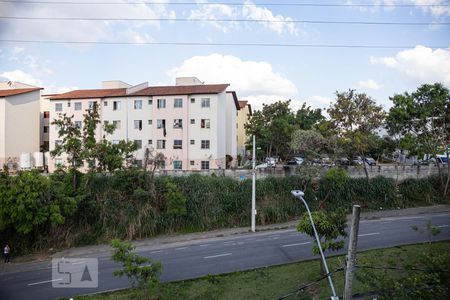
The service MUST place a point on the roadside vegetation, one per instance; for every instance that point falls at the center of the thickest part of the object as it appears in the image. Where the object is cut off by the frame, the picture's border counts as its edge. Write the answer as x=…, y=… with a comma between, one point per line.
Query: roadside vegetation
x=406, y=272
x=39, y=212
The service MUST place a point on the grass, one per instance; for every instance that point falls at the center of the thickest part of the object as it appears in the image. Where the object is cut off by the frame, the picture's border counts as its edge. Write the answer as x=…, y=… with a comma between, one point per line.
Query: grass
x=274, y=282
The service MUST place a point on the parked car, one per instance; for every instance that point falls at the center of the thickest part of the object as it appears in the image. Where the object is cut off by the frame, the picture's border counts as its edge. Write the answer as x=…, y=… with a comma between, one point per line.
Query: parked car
x=343, y=161
x=271, y=161
x=370, y=161
x=295, y=161
x=357, y=161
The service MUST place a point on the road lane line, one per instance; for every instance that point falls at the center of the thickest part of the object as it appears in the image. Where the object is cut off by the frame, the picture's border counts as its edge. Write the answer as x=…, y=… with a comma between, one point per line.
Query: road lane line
x=218, y=255
x=79, y=262
x=204, y=245
x=367, y=234
x=445, y=225
x=181, y=248
x=47, y=281
x=297, y=244
x=156, y=251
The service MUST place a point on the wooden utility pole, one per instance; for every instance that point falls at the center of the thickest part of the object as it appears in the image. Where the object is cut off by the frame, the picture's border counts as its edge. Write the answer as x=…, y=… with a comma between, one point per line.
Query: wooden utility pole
x=351, y=256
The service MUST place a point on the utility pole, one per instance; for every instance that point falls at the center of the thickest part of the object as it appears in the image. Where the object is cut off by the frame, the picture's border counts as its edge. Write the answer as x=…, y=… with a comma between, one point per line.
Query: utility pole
x=351, y=256
x=254, y=185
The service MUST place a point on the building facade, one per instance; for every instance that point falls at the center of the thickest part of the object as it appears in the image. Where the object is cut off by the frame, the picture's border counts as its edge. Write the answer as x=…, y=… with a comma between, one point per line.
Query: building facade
x=19, y=123
x=243, y=116
x=192, y=124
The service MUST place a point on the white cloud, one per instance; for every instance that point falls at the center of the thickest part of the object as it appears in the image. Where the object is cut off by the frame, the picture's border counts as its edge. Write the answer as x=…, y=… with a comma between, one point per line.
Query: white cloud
x=320, y=101
x=420, y=64
x=21, y=76
x=249, y=11
x=78, y=30
x=246, y=77
x=369, y=84
x=434, y=10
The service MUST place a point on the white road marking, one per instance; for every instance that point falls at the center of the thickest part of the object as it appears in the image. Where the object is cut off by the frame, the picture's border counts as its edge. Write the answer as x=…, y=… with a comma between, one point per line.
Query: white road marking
x=41, y=282
x=78, y=262
x=367, y=234
x=445, y=225
x=156, y=251
x=204, y=245
x=181, y=248
x=218, y=255
x=297, y=244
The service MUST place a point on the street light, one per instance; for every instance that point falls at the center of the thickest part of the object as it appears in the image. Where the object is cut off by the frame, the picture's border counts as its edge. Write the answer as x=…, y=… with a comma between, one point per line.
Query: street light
x=299, y=194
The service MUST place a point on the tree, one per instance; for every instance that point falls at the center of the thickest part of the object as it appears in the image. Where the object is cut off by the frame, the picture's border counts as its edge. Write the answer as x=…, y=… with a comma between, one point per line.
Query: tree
x=274, y=124
x=70, y=141
x=329, y=225
x=422, y=121
x=139, y=270
x=356, y=117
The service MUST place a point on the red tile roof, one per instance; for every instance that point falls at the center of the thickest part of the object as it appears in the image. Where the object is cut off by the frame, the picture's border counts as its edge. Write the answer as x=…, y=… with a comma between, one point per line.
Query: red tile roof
x=242, y=103
x=181, y=90
x=12, y=92
x=85, y=94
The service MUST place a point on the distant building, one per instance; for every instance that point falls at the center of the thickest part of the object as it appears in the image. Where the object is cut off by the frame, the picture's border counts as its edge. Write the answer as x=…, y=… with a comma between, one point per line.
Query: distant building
x=243, y=116
x=19, y=122
x=191, y=123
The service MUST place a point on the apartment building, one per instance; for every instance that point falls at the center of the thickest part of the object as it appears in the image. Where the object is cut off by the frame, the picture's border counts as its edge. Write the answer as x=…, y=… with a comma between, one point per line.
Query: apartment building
x=191, y=123
x=243, y=116
x=19, y=122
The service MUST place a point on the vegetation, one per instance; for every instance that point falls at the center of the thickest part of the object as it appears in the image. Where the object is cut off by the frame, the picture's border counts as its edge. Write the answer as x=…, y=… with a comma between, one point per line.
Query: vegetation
x=275, y=282
x=139, y=270
x=39, y=212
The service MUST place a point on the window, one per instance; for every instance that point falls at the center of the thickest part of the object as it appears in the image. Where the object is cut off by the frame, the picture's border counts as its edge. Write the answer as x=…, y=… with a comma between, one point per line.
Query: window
x=138, y=124
x=105, y=103
x=160, y=123
x=205, y=144
x=150, y=142
x=105, y=123
x=161, y=144
x=58, y=142
x=178, y=123
x=92, y=104
x=68, y=104
x=150, y=101
x=150, y=122
x=192, y=121
x=192, y=142
x=137, y=104
x=45, y=129
x=177, y=144
x=78, y=106
x=116, y=105
x=138, y=163
x=161, y=164
x=115, y=142
x=205, y=123
x=58, y=106
x=78, y=124
x=116, y=124
x=46, y=114
x=205, y=165
x=58, y=162
x=161, y=103
x=192, y=162
x=192, y=100
x=205, y=102
x=177, y=165
x=138, y=144
x=177, y=103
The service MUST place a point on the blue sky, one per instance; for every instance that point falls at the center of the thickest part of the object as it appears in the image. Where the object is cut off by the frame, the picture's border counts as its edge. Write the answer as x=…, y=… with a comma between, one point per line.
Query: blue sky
x=258, y=74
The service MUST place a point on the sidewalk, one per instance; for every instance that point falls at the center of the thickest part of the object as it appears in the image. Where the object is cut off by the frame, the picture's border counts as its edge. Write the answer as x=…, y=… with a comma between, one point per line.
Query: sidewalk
x=164, y=241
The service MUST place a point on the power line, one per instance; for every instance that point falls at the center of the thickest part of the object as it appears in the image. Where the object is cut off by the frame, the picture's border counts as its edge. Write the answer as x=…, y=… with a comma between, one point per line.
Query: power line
x=225, y=3
x=217, y=44
x=224, y=20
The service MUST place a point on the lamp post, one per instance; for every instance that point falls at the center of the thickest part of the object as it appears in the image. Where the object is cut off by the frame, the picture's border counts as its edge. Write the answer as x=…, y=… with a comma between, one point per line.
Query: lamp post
x=299, y=194
x=254, y=186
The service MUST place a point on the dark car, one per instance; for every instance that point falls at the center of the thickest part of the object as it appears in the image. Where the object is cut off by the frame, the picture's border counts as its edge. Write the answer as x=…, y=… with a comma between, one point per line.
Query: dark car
x=343, y=161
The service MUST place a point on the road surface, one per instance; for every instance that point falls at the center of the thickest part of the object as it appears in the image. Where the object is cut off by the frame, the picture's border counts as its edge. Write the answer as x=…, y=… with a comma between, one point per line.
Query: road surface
x=221, y=255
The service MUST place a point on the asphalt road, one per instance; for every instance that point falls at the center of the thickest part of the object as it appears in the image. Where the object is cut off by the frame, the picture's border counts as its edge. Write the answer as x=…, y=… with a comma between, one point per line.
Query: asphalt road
x=222, y=255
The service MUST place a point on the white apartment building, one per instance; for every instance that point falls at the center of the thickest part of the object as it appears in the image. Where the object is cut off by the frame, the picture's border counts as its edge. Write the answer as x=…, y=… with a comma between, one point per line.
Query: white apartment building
x=19, y=122
x=193, y=124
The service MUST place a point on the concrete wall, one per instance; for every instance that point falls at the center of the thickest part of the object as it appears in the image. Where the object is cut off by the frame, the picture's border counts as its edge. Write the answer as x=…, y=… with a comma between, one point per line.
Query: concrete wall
x=242, y=119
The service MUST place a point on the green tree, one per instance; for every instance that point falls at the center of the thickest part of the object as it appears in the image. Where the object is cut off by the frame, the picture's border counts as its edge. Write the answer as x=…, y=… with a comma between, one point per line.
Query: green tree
x=69, y=135
x=311, y=144
x=307, y=118
x=176, y=200
x=138, y=269
x=356, y=117
x=329, y=225
x=422, y=121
